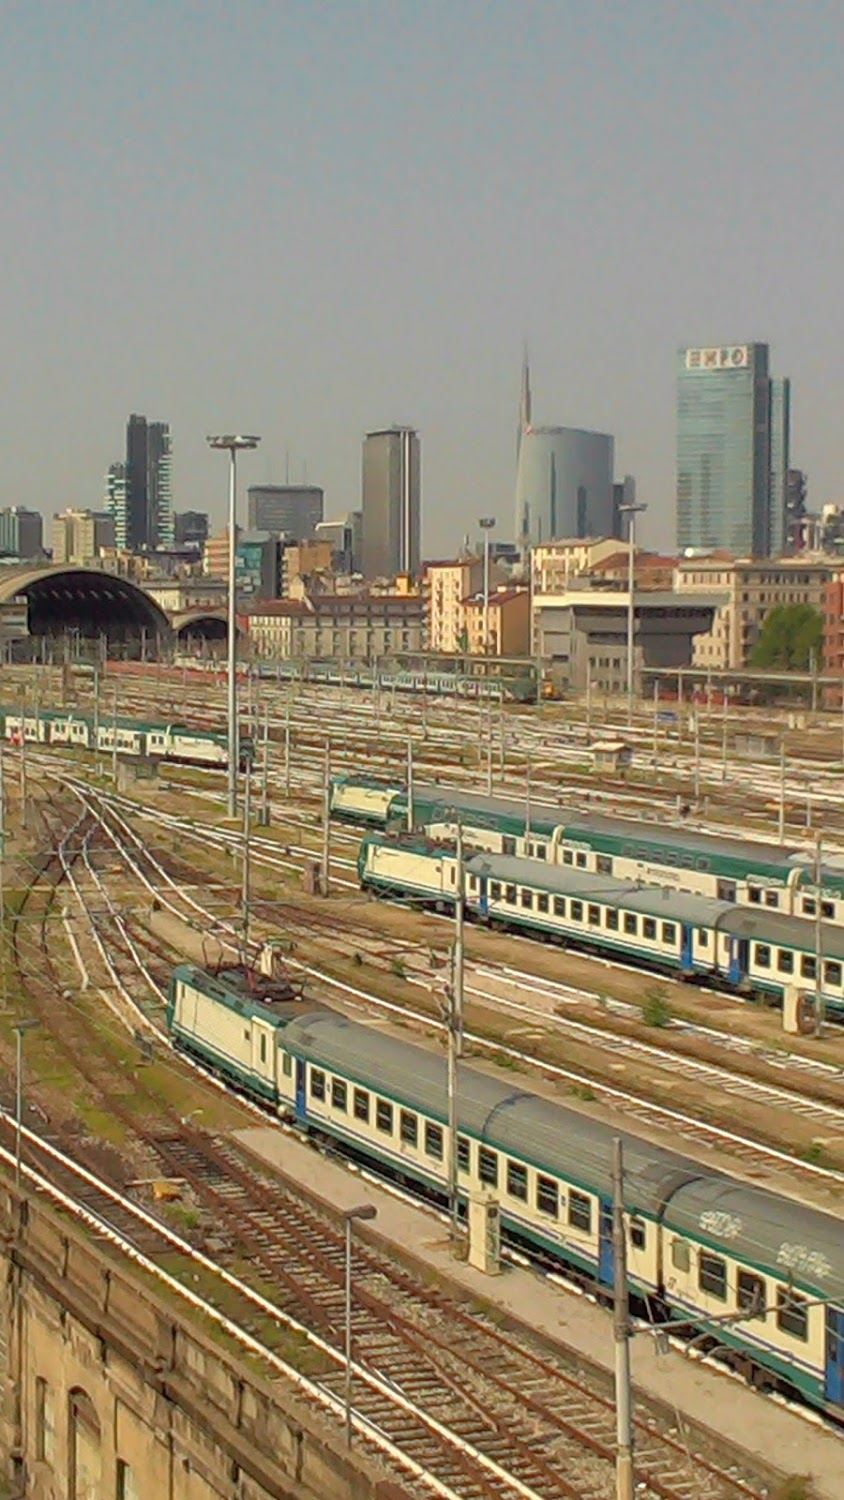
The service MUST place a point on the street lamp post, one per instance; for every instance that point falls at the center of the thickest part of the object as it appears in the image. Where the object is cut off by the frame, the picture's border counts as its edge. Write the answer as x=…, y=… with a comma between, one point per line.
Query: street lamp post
x=632, y=511
x=232, y=443
x=19, y=1028
x=363, y=1212
x=486, y=524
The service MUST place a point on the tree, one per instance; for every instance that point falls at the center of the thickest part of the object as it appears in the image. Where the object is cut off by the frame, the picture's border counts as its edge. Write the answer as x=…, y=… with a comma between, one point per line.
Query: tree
x=791, y=639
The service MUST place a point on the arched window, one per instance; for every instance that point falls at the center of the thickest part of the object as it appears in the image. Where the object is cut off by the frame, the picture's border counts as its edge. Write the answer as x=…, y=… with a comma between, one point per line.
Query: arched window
x=84, y=1447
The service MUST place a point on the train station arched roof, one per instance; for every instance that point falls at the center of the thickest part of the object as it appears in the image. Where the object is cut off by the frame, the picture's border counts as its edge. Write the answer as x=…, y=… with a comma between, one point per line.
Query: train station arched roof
x=62, y=598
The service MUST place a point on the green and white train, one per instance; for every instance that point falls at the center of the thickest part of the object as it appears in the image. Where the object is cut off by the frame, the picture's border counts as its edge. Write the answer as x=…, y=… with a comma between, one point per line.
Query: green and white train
x=750, y=872
x=700, y=1244
x=740, y=948
x=170, y=742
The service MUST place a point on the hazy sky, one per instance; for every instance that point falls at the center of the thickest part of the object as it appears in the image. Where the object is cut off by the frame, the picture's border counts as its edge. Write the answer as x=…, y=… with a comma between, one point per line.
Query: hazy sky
x=305, y=219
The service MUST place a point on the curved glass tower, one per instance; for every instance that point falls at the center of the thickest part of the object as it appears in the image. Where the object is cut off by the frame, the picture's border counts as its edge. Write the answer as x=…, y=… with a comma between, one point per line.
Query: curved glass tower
x=564, y=484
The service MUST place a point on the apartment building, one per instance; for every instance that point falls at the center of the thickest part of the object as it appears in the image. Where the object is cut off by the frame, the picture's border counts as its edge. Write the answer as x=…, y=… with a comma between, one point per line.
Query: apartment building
x=351, y=627
x=749, y=590
x=508, y=623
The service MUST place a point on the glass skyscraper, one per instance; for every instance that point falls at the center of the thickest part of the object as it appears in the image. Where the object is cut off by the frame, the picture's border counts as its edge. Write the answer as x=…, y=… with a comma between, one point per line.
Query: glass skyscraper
x=733, y=429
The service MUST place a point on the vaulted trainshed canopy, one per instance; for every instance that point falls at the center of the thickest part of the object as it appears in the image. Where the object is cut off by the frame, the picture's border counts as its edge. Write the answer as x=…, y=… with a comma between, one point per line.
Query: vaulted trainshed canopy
x=62, y=598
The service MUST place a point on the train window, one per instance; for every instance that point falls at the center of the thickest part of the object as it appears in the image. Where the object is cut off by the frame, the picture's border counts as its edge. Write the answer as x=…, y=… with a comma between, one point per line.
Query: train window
x=807, y=967
x=827, y=908
x=527, y=898
x=568, y=857
x=540, y=851
x=362, y=1105
x=763, y=955
x=580, y=861
x=542, y=902
x=712, y=1275
x=669, y=932
x=593, y=916
x=317, y=1083
x=580, y=1211
x=559, y=906
x=611, y=918
x=832, y=973
x=409, y=1127
x=246, y=1033
x=726, y=890
x=680, y=1255
x=547, y=1196
x=473, y=882
x=631, y=925
x=751, y=1293
x=433, y=1140
x=809, y=907
x=339, y=1094
x=384, y=1116
x=754, y=894
x=703, y=864
x=510, y=895
x=517, y=1180
x=495, y=890
x=772, y=898
x=638, y=1233
x=576, y=911
x=287, y=1064
x=603, y=864
x=464, y=1153
x=488, y=1166
x=792, y=1313
x=508, y=844
x=785, y=961
x=649, y=928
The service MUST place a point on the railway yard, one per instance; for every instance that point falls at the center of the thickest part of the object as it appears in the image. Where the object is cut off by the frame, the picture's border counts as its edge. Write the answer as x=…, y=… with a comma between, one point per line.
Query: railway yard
x=463, y=1386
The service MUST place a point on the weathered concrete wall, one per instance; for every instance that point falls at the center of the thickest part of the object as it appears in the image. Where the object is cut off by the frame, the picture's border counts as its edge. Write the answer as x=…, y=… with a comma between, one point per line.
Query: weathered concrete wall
x=108, y=1391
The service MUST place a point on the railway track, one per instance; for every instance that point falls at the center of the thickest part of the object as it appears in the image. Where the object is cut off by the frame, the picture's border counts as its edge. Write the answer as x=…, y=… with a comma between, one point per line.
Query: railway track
x=481, y=1413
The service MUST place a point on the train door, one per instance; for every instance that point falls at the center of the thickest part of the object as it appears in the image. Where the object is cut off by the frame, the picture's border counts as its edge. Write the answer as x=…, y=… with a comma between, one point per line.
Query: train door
x=686, y=960
x=483, y=895
x=834, y=1384
x=606, y=1253
x=739, y=957
x=300, y=1088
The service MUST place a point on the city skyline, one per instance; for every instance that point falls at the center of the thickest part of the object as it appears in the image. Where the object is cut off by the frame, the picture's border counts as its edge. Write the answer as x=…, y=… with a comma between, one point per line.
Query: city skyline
x=363, y=257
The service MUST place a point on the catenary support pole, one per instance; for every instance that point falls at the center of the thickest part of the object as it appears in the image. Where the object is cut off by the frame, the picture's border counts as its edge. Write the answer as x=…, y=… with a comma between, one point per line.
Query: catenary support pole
x=247, y=849
x=781, y=819
x=409, y=784
x=820, y=1007
x=287, y=744
x=621, y=1329
x=265, y=775
x=455, y=1037
x=325, y=876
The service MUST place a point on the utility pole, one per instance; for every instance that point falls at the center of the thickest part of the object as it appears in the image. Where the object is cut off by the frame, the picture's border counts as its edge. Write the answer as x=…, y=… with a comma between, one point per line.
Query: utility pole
x=842, y=723
x=326, y=821
x=489, y=746
x=697, y=752
x=409, y=784
x=287, y=745
x=724, y=736
x=114, y=738
x=819, y=999
x=656, y=720
x=781, y=824
x=621, y=1328
x=247, y=813
x=455, y=1035
x=528, y=774
x=3, y=979
x=23, y=765
x=501, y=750
x=265, y=777
x=588, y=700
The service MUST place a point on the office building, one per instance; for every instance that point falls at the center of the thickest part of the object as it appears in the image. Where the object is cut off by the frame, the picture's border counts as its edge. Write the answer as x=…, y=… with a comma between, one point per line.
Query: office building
x=348, y=627
x=190, y=528
x=733, y=440
x=344, y=535
x=747, y=591
x=21, y=532
x=391, y=491
x=564, y=479
x=139, y=491
x=291, y=510
x=79, y=535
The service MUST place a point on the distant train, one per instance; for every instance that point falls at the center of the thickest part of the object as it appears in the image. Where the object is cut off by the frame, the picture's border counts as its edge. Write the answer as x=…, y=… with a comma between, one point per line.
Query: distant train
x=775, y=877
x=517, y=688
x=700, y=1244
x=697, y=937
x=168, y=742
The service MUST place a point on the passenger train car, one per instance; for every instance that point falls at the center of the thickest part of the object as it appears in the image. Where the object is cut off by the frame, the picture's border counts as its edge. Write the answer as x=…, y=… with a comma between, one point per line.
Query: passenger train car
x=773, y=876
x=698, y=937
x=700, y=1244
x=170, y=742
x=512, y=686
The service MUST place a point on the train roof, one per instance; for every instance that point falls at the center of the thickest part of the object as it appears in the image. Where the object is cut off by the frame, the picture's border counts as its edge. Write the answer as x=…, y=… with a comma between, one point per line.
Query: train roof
x=559, y=1140
x=750, y=1224
x=251, y=994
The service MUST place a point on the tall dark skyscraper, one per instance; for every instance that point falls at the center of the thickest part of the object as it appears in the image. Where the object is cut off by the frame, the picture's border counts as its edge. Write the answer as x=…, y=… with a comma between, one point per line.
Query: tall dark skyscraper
x=146, y=503
x=733, y=451
x=391, y=488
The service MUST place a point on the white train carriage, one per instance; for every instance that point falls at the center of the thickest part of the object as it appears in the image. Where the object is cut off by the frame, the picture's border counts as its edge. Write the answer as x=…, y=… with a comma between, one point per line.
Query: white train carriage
x=365, y=800
x=549, y=1168
x=232, y=1024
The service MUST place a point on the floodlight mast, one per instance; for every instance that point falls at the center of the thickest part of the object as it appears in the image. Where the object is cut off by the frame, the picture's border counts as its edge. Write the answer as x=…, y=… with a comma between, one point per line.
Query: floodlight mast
x=232, y=443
